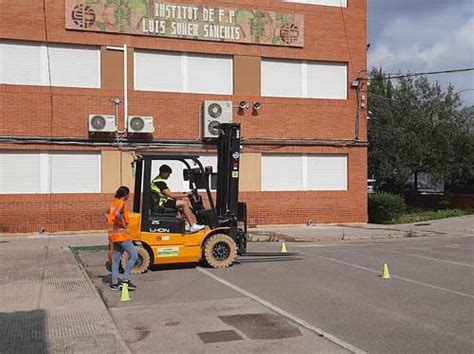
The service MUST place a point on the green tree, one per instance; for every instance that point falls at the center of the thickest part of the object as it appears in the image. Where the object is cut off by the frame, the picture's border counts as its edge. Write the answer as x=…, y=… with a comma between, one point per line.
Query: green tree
x=415, y=126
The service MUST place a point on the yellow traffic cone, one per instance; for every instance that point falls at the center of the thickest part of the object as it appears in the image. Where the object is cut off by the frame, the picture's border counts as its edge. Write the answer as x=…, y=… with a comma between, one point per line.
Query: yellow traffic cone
x=283, y=248
x=386, y=272
x=124, y=296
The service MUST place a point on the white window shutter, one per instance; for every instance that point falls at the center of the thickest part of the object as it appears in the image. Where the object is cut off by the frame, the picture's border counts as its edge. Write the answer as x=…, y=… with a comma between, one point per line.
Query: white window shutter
x=282, y=173
x=304, y=79
x=281, y=78
x=327, y=172
x=22, y=63
x=182, y=72
x=327, y=80
x=26, y=63
x=210, y=74
x=337, y=3
x=75, y=172
x=20, y=172
x=74, y=66
x=158, y=71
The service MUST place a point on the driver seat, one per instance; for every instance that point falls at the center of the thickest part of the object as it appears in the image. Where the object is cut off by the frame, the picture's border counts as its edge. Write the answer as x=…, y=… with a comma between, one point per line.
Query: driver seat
x=156, y=209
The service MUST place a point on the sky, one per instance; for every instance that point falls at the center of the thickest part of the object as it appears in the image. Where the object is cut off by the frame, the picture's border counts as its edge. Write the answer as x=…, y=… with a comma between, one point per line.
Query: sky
x=424, y=35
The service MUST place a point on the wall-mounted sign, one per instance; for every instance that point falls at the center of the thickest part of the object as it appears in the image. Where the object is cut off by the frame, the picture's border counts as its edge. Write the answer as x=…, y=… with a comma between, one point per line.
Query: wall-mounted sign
x=190, y=21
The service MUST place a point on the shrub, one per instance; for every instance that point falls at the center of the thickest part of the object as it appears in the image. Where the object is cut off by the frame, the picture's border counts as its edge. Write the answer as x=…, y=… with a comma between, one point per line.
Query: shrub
x=385, y=208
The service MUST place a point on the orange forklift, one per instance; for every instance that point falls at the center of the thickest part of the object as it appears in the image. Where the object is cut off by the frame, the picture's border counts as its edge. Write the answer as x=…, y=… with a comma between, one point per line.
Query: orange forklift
x=159, y=233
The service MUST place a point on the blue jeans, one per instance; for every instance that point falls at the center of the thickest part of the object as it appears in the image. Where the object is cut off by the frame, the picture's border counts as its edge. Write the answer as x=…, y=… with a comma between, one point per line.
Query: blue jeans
x=119, y=248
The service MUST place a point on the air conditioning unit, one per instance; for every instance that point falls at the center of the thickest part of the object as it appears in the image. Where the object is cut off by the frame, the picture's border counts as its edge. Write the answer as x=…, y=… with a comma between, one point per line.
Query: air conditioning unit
x=100, y=123
x=140, y=125
x=215, y=113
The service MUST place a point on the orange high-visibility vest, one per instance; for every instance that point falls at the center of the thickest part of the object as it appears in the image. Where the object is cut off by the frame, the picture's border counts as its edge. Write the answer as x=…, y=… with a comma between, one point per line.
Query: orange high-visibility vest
x=114, y=225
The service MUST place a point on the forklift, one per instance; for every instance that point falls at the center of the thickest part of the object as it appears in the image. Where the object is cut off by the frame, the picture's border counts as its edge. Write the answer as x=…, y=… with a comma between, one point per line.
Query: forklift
x=159, y=233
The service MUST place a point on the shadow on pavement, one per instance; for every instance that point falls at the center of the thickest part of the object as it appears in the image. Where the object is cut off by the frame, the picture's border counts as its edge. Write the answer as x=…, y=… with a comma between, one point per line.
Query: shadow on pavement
x=23, y=332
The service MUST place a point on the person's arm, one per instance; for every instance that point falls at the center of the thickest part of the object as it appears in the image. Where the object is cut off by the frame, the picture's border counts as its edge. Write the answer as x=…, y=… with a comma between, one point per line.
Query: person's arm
x=173, y=195
x=119, y=216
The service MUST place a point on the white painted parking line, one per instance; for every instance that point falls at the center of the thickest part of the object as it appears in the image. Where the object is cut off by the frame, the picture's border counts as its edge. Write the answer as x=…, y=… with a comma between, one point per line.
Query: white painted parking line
x=319, y=246
x=425, y=257
x=393, y=276
x=282, y=312
x=459, y=247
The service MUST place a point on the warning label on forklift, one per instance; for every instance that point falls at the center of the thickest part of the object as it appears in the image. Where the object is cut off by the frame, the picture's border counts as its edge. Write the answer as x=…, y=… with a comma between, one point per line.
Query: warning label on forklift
x=168, y=251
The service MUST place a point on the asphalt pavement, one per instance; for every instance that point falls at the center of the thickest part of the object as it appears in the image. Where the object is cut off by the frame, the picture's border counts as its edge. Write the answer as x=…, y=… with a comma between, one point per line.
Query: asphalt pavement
x=426, y=307
x=329, y=298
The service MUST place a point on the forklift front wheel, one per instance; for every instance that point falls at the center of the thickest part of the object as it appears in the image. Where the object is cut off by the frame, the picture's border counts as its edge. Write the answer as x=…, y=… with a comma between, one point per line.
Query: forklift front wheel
x=219, y=251
x=143, y=261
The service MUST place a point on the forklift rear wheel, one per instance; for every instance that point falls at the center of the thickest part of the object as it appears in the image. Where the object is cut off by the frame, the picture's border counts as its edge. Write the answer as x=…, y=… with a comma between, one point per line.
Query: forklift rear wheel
x=220, y=251
x=143, y=261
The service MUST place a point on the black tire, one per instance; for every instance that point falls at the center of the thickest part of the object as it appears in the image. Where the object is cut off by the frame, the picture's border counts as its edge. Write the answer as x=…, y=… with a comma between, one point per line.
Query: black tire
x=219, y=251
x=143, y=261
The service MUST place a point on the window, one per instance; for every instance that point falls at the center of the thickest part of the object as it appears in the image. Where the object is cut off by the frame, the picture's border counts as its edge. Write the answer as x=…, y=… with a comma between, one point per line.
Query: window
x=327, y=80
x=26, y=63
x=210, y=74
x=75, y=173
x=338, y=3
x=304, y=173
x=327, y=173
x=158, y=72
x=282, y=78
x=292, y=78
x=183, y=72
x=20, y=173
x=49, y=172
x=75, y=66
x=282, y=173
x=27, y=59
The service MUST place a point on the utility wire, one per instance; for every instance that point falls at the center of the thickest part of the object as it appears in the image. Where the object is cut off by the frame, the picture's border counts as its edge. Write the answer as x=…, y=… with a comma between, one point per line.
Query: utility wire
x=401, y=76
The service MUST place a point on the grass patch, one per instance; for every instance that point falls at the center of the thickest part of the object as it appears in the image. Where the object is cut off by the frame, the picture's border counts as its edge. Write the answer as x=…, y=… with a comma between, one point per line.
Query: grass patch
x=419, y=216
x=77, y=249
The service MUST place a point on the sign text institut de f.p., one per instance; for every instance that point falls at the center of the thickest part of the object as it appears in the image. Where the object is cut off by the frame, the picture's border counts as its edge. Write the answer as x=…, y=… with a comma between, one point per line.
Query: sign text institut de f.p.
x=190, y=21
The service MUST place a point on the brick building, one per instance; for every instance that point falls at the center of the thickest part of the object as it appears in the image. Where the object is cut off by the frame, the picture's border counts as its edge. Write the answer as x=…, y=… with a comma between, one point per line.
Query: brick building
x=304, y=151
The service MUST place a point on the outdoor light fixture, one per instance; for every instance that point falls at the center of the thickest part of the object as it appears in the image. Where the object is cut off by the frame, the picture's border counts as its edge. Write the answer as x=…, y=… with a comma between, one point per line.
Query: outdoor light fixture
x=243, y=105
x=355, y=84
x=256, y=107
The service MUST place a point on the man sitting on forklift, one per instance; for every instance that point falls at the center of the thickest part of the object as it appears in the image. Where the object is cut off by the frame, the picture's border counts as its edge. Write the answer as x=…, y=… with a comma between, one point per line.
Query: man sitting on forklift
x=168, y=199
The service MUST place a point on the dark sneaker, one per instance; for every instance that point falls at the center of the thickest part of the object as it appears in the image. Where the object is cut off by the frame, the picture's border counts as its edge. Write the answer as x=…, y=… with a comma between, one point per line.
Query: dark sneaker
x=131, y=286
x=115, y=286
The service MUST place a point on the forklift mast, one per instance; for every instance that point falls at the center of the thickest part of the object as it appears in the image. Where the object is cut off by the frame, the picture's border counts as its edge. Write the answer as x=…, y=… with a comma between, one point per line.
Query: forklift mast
x=228, y=165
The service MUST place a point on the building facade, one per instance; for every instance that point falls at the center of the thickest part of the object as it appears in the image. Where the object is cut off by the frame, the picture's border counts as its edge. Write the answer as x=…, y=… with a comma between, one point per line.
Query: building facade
x=292, y=71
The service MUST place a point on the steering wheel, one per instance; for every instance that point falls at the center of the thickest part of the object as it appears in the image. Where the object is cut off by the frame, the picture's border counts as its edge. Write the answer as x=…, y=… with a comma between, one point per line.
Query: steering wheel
x=196, y=200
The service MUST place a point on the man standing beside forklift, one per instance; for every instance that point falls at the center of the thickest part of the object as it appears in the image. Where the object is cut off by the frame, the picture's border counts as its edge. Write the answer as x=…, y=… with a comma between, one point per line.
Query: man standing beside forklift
x=165, y=198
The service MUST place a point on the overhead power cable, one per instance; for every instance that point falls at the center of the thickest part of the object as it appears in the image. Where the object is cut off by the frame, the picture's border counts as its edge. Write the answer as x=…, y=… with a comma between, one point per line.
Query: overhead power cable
x=401, y=76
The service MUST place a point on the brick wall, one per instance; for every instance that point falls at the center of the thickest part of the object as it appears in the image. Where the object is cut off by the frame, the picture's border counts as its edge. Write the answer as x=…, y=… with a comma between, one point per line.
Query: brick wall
x=177, y=115
x=71, y=212
x=325, y=39
x=25, y=213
